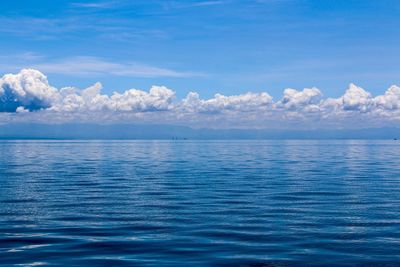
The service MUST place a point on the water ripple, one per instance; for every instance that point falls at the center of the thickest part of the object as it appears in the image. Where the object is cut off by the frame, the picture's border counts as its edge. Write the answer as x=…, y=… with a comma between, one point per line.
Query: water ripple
x=200, y=203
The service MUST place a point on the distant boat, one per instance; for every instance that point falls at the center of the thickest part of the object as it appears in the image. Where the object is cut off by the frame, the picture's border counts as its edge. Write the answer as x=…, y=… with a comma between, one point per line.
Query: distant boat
x=177, y=138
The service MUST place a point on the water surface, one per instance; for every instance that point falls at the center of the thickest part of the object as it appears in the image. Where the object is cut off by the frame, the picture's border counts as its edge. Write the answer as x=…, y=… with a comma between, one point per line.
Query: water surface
x=200, y=203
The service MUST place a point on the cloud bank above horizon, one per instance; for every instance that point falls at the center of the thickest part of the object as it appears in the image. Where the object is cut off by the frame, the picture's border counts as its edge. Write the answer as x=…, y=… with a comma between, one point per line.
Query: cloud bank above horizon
x=28, y=97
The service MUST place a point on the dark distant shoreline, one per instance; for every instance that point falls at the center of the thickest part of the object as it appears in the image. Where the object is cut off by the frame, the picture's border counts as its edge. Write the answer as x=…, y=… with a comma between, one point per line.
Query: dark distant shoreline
x=172, y=132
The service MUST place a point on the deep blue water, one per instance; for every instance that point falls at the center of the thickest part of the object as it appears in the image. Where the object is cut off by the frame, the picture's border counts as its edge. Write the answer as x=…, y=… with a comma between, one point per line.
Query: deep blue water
x=200, y=203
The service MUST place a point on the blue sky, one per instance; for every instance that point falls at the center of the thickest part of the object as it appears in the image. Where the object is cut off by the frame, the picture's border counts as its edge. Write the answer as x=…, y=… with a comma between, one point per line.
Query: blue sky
x=214, y=46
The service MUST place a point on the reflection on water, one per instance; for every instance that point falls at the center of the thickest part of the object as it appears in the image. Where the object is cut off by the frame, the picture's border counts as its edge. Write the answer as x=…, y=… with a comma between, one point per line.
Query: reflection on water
x=199, y=203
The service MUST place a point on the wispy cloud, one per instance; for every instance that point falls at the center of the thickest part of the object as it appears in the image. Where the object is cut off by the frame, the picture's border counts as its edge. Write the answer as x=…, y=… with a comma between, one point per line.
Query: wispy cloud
x=83, y=26
x=90, y=66
x=29, y=56
x=180, y=5
x=208, y=3
x=98, y=66
x=274, y=1
x=96, y=5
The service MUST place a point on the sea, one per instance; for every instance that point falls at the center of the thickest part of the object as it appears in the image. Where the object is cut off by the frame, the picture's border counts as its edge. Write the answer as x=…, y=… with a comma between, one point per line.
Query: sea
x=200, y=203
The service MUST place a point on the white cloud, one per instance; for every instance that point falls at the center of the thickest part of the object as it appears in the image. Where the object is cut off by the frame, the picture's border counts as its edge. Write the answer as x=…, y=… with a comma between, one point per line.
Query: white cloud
x=159, y=98
x=356, y=98
x=294, y=100
x=21, y=110
x=220, y=103
x=28, y=91
x=390, y=100
x=90, y=99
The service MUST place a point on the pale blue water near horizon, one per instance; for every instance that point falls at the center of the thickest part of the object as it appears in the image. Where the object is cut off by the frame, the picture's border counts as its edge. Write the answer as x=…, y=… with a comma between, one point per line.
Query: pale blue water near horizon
x=200, y=203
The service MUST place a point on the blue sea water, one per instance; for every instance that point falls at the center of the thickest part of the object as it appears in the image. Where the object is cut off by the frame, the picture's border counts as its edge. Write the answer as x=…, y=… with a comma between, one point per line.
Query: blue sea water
x=200, y=203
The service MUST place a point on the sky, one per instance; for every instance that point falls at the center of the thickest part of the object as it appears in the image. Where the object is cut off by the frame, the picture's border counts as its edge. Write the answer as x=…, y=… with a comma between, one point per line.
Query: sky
x=209, y=47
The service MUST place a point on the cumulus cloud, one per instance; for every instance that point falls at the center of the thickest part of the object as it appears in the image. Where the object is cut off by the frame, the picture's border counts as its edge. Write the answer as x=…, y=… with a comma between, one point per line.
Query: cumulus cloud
x=220, y=103
x=90, y=99
x=294, y=100
x=28, y=89
x=356, y=98
x=28, y=96
x=390, y=100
